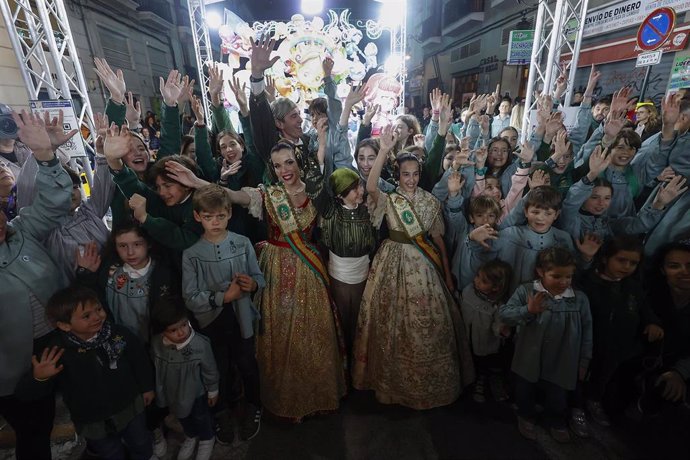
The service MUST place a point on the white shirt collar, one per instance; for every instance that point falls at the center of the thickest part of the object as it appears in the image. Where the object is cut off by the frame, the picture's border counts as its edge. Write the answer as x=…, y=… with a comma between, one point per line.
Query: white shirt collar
x=135, y=273
x=180, y=346
x=566, y=294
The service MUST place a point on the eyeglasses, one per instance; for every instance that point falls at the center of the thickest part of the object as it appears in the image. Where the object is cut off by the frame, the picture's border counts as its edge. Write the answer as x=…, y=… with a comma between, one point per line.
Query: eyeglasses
x=212, y=217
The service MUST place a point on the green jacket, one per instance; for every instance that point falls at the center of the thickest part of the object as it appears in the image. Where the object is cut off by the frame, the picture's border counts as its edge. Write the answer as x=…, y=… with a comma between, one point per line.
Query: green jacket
x=172, y=226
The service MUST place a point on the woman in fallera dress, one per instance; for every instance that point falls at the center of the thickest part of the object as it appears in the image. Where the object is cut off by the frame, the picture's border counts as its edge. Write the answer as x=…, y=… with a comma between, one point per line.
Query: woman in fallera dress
x=410, y=345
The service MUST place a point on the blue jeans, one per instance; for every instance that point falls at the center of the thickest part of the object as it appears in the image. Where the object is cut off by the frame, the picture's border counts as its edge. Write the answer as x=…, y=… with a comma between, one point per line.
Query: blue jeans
x=138, y=439
x=199, y=422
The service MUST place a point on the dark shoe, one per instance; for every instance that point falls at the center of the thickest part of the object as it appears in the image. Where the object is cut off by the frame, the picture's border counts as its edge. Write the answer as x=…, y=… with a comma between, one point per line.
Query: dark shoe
x=527, y=429
x=578, y=423
x=251, y=424
x=597, y=413
x=478, y=391
x=498, y=388
x=225, y=432
x=561, y=435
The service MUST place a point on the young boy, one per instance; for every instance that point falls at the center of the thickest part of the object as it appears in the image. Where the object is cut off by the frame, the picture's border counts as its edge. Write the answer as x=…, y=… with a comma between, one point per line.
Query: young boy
x=519, y=244
x=103, y=372
x=186, y=376
x=219, y=274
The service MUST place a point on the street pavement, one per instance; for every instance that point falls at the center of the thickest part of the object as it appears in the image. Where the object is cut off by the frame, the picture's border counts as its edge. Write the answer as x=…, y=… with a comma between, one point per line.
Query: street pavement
x=364, y=429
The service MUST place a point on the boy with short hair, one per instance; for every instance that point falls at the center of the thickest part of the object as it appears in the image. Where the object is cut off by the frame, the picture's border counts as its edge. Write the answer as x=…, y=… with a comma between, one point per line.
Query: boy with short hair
x=103, y=372
x=186, y=376
x=219, y=274
x=519, y=244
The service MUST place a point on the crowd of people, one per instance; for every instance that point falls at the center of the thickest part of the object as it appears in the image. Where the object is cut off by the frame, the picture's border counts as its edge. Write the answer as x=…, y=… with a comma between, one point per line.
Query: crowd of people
x=275, y=271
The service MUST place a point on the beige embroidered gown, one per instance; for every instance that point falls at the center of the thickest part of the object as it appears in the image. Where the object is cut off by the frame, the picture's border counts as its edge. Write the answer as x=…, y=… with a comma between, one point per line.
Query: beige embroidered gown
x=410, y=346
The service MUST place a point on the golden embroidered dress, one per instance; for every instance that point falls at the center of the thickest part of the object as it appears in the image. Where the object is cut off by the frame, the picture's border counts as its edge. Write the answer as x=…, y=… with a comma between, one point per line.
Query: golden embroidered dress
x=410, y=346
x=298, y=352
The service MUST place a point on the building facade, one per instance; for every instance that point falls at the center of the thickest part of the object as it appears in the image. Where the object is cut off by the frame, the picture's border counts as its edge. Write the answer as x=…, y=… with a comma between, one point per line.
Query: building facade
x=461, y=46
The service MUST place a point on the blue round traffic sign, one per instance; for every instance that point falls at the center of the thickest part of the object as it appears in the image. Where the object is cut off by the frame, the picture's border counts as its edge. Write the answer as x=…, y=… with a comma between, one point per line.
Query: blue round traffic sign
x=656, y=28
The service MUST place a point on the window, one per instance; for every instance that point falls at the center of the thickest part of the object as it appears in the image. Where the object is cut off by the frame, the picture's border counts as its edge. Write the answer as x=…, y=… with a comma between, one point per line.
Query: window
x=115, y=48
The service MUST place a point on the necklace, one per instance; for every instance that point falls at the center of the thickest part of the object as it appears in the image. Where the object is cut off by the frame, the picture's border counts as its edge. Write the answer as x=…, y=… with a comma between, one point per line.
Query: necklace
x=298, y=191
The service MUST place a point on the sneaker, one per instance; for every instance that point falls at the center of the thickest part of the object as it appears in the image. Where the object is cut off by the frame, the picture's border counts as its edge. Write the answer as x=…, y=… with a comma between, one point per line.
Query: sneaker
x=186, y=449
x=160, y=445
x=225, y=432
x=578, y=423
x=205, y=449
x=252, y=422
x=527, y=429
x=561, y=435
x=498, y=389
x=478, y=391
x=597, y=413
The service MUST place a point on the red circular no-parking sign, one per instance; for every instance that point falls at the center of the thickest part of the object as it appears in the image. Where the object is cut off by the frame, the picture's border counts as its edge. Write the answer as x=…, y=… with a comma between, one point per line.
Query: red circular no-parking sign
x=656, y=28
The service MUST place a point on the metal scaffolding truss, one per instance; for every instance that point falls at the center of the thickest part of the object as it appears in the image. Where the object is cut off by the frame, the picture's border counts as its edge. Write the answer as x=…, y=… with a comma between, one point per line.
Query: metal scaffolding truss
x=42, y=41
x=399, y=50
x=553, y=32
x=202, y=49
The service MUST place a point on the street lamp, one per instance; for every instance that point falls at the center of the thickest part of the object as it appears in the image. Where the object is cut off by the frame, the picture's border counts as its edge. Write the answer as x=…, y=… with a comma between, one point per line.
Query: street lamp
x=312, y=7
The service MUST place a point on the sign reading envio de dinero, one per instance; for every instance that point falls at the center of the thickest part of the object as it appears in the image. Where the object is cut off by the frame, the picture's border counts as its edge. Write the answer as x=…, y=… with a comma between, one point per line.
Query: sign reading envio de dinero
x=629, y=13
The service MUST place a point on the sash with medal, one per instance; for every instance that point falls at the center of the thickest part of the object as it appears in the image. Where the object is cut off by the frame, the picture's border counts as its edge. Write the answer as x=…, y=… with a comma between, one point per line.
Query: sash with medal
x=409, y=221
x=279, y=205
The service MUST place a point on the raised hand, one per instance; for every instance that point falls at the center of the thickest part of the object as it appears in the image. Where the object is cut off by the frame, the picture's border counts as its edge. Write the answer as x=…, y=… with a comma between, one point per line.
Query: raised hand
x=322, y=130
x=484, y=121
x=536, y=302
x=32, y=132
x=619, y=101
x=465, y=143
x=240, y=95
x=171, y=88
x=215, y=84
x=187, y=90
x=561, y=144
x=670, y=109
x=261, y=59
x=455, y=183
x=480, y=156
x=462, y=159
x=483, y=234
x=669, y=192
x=538, y=179
x=553, y=125
x=327, y=66
x=589, y=245
x=526, y=153
x=356, y=95
x=561, y=84
x=88, y=257
x=138, y=205
x=387, y=140
x=102, y=124
x=614, y=122
x=55, y=130
x=133, y=111
x=116, y=145
x=229, y=169
x=370, y=113
x=198, y=109
x=594, y=76
x=47, y=366
x=445, y=116
x=270, y=88
x=115, y=82
x=599, y=160
x=435, y=100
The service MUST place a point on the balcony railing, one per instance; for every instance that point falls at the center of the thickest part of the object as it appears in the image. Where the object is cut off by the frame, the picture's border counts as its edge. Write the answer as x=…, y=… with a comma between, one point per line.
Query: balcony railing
x=160, y=8
x=454, y=11
x=431, y=28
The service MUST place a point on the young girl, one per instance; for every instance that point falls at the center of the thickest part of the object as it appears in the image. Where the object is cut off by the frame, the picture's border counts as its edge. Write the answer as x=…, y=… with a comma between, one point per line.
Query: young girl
x=186, y=376
x=479, y=306
x=554, y=340
x=621, y=317
x=131, y=280
x=406, y=347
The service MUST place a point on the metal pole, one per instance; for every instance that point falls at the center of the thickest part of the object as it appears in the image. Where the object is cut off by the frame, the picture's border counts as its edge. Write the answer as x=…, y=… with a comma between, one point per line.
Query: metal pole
x=576, y=53
x=644, y=83
x=533, y=68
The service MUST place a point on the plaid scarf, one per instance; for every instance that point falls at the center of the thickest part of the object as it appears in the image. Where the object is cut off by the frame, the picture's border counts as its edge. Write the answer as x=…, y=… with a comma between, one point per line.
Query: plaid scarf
x=113, y=346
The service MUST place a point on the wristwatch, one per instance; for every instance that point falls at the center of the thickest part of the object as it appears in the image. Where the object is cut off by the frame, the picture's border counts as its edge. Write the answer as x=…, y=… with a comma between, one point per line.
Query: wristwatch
x=256, y=80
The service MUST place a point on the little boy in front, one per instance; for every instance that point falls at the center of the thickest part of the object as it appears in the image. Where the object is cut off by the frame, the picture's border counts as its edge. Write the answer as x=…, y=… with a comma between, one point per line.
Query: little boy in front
x=103, y=372
x=519, y=245
x=220, y=273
